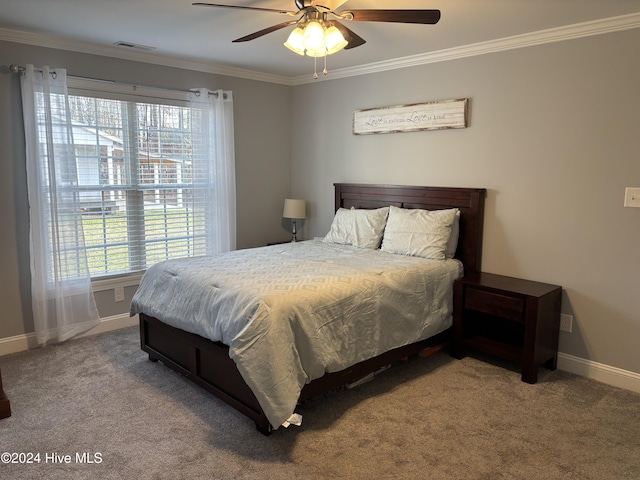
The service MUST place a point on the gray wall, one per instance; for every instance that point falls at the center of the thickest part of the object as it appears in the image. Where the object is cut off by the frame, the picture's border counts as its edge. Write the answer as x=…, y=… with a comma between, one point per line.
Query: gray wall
x=553, y=136
x=262, y=162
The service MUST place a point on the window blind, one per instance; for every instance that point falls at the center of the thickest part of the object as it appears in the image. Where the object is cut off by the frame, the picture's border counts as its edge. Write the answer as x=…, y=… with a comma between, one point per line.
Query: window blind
x=143, y=179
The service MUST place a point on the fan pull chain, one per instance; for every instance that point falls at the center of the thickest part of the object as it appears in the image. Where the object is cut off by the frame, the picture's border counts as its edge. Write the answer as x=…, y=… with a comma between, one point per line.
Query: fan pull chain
x=315, y=68
x=324, y=72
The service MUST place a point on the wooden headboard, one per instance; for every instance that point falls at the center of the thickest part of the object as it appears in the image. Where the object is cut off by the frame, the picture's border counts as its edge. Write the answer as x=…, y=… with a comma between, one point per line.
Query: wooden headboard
x=470, y=201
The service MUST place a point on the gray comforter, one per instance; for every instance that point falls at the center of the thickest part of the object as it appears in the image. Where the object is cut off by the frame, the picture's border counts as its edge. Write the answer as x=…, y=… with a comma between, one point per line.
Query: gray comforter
x=292, y=312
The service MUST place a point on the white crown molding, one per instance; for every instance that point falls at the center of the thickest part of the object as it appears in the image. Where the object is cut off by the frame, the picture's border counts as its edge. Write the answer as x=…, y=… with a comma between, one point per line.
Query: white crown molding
x=559, y=34
x=67, y=44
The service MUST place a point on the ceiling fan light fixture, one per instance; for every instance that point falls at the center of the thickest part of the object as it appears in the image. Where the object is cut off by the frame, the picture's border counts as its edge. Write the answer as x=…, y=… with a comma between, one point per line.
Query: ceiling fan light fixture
x=295, y=42
x=314, y=36
x=333, y=40
x=321, y=52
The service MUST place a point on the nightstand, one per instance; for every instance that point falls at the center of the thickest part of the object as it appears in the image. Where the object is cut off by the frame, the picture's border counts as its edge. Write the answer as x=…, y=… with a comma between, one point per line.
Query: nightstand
x=511, y=318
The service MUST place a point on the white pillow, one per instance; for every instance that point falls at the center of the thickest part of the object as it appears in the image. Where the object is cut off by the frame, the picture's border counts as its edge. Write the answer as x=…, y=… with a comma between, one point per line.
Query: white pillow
x=357, y=227
x=419, y=233
x=452, y=244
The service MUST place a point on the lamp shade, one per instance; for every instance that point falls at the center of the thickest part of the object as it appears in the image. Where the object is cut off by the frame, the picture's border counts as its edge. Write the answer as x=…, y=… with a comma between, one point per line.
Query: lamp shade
x=294, y=208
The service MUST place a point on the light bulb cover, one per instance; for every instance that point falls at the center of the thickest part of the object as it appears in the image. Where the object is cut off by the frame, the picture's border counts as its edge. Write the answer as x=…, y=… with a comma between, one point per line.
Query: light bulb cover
x=313, y=36
x=321, y=52
x=295, y=41
x=334, y=40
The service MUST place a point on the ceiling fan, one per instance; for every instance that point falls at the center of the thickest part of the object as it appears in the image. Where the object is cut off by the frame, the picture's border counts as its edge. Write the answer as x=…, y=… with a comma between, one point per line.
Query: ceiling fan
x=318, y=33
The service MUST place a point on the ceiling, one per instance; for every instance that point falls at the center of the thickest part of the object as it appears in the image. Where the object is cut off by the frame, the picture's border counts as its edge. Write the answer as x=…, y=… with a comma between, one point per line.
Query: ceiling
x=175, y=28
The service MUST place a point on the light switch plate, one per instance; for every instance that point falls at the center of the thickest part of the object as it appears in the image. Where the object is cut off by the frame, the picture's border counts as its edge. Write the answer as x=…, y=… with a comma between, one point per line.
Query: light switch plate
x=632, y=197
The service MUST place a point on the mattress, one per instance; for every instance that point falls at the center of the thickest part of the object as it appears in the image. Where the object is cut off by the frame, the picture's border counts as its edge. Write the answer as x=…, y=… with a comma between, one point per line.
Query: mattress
x=292, y=312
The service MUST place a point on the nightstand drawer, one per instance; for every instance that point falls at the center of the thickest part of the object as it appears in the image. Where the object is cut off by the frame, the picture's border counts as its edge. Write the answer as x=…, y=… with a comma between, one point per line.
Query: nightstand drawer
x=494, y=304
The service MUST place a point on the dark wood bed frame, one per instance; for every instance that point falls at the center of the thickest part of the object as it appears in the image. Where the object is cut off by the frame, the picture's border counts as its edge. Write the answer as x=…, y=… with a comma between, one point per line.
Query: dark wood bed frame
x=207, y=363
x=5, y=407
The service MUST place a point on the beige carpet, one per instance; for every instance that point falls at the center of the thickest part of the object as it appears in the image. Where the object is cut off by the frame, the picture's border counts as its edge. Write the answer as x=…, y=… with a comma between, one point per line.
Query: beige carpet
x=437, y=418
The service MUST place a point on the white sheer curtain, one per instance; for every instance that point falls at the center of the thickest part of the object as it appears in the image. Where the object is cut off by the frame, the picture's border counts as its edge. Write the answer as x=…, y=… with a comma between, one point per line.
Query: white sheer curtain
x=62, y=299
x=214, y=155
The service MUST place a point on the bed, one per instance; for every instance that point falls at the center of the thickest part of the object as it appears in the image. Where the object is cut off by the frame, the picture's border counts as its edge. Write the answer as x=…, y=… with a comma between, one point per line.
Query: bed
x=233, y=361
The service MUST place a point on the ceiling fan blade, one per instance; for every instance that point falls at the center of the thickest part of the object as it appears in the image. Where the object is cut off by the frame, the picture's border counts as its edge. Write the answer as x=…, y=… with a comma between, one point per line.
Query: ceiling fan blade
x=400, y=16
x=260, y=33
x=328, y=5
x=353, y=39
x=282, y=12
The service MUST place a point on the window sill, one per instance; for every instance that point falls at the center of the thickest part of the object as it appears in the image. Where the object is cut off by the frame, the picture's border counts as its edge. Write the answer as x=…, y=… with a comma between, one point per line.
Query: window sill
x=128, y=280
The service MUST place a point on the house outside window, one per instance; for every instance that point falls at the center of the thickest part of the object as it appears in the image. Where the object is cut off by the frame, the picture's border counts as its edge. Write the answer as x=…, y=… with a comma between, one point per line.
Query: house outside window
x=140, y=200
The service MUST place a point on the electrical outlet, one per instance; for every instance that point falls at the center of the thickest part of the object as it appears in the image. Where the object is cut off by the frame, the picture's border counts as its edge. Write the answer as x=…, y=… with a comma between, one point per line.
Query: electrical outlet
x=632, y=197
x=566, y=322
x=118, y=293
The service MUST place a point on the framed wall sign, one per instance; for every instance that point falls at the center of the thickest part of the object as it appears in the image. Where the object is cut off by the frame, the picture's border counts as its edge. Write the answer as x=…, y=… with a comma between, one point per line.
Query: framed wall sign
x=412, y=118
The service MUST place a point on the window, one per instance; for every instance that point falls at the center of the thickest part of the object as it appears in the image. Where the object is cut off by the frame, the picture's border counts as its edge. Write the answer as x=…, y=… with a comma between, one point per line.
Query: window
x=147, y=180
x=143, y=182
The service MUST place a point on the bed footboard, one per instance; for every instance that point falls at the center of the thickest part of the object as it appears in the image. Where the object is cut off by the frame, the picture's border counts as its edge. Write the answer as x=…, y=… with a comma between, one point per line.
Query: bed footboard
x=207, y=364
x=204, y=362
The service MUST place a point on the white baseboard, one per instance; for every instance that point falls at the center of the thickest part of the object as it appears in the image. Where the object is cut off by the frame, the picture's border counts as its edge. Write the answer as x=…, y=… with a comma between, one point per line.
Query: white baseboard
x=20, y=343
x=600, y=372
x=114, y=322
x=579, y=366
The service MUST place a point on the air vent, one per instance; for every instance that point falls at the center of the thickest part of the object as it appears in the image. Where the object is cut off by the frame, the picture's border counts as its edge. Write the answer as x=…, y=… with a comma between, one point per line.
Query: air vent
x=134, y=46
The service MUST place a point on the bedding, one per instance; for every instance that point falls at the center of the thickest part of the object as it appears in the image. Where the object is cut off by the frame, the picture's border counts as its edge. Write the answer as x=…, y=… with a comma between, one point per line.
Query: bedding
x=357, y=227
x=452, y=244
x=418, y=232
x=291, y=312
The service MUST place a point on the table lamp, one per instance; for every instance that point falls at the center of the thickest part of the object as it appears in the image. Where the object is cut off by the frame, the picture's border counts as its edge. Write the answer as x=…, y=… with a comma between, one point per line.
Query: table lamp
x=295, y=210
